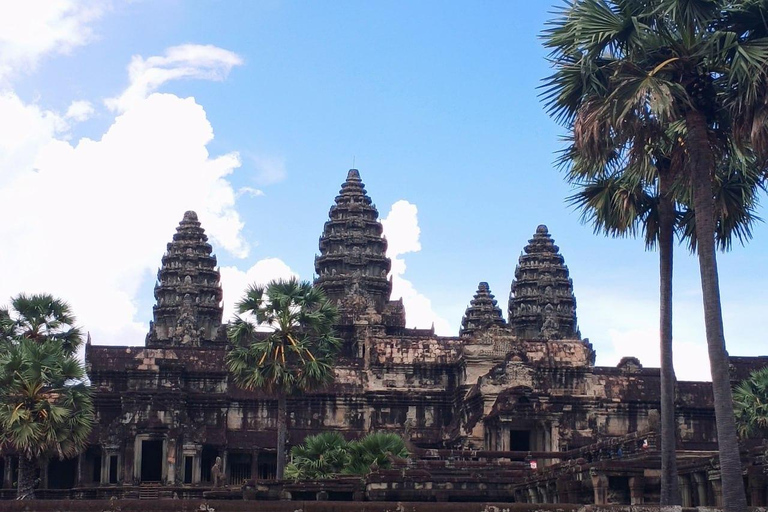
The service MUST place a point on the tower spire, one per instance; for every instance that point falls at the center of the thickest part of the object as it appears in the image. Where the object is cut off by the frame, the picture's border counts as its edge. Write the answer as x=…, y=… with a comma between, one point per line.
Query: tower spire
x=541, y=301
x=482, y=312
x=188, y=290
x=352, y=266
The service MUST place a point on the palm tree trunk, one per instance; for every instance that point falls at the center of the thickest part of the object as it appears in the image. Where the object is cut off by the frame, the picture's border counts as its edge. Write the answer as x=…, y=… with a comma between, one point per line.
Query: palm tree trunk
x=27, y=477
x=702, y=166
x=670, y=489
x=282, y=427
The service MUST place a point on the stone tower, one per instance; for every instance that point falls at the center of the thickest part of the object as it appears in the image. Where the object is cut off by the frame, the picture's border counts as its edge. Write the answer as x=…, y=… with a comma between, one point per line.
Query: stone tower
x=352, y=266
x=188, y=291
x=482, y=312
x=541, y=303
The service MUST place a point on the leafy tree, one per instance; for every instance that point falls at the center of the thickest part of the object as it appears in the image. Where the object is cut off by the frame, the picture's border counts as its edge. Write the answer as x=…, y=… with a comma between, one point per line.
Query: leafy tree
x=750, y=400
x=297, y=352
x=374, y=451
x=700, y=64
x=328, y=454
x=321, y=456
x=45, y=407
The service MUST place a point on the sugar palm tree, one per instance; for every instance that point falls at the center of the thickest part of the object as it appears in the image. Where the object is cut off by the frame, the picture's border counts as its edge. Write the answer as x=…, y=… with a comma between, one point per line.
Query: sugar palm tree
x=698, y=63
x=45, y=407
x=374, y=451
x=321, y=456
x=750, y=400
x=297, y=352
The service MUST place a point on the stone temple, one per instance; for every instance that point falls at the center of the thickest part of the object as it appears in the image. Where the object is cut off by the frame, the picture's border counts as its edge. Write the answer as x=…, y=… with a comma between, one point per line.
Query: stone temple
x=509, y=409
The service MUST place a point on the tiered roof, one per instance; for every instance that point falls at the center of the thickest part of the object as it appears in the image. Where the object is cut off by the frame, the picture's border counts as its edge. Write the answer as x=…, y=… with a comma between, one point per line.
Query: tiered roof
x=482, y=312
x=541, y=302
x=188, y=290
x=352, y=266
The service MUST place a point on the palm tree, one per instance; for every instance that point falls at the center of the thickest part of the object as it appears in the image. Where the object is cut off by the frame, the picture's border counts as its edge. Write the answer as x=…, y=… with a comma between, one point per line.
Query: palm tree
x=697, y=63
x=750, y=400
x=297, y=352
x=321, y=456
x=45, y=407
x=374, y=451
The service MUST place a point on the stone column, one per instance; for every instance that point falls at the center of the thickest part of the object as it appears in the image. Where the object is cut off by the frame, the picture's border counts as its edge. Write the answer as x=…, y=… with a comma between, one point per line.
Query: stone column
x=80, y=463
x=599, y=487
x=685, y=491
x=532, y=495
x=170, y=457
x=701, y=489
x=636, y=490
x=757, y=482
x=129, y=475
x=717, y=487
x=255, y=464
x=8, y=473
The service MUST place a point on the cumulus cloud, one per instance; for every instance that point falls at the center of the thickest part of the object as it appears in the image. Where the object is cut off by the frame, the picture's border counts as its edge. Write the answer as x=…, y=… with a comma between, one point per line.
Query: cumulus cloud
x=235, y=282
x=633, y=330
x=206, y=62
x=30, y=30
x=88, y=220
x=79, y=110
x=401, y=227
x=269, y=170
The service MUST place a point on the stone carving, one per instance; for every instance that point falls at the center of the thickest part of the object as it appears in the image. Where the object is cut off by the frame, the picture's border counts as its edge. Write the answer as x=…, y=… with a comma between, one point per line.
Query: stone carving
x=352, y=256
x=541, y=301
x=217, y=473
x=482, y=312
x=187, y=299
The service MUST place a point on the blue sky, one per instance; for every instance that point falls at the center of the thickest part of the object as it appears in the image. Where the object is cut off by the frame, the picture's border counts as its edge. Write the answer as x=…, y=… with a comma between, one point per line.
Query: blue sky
x=252, y=112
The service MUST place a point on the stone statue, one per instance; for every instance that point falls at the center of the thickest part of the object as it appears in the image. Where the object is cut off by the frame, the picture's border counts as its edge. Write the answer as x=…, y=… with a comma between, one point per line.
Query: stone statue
x=217, y=473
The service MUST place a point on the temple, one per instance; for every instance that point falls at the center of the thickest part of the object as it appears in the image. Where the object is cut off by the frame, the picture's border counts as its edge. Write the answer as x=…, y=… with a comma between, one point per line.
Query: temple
x=508, y=410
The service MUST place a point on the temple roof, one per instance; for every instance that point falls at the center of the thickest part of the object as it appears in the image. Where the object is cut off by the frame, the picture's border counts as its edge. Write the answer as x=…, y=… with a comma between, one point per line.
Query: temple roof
x=352, y=266
x=541, y=301
x=482, y=312
x=188, y=310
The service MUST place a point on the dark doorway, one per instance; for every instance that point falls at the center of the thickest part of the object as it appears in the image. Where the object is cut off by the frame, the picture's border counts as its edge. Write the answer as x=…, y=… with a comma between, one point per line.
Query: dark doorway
x=267, y=466
x=62, y=473
x=188, y=459
x=520, y=440
x=152, y=460
x=207, y=460
x=239, y=467
x=113, y=468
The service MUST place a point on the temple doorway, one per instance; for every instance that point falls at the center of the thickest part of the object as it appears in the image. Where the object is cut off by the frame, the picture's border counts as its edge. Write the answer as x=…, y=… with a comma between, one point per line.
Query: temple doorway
x=152, y=460
x=207, y=460
x=62, y=473
x=520, y=440
x=267, y=466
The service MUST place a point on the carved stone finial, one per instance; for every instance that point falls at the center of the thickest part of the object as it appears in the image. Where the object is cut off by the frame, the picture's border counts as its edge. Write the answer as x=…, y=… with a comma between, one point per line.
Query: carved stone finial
x=541, y=301
x=188, y=290
x=353, y=259
x=482, y=312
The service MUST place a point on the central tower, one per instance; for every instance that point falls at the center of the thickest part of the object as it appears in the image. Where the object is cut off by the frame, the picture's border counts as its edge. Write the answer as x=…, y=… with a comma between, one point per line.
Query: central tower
x=352, y=267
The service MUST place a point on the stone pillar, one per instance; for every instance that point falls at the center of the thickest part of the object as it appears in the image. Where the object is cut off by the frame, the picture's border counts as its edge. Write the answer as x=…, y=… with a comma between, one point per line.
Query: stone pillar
x=255, y=464
x=225, y=466
x=8, y=473
x=636, y=490
x=701, y=489
x=685, y=491
x=532, y=495
x=756, y=486
x=717, y=487
x=79, y=479
x=599, y=487
x=562, y=490
x=44, y=475
x=129, y=475
x=170, y=457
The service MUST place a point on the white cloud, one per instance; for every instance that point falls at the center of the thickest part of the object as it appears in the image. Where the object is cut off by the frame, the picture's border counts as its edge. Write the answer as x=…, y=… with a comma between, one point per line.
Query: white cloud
x=234, y=281
x=29, y=30
x=79, y=110
x=88, y=221
x=401, y=227
x=633, y=330
x=186, y=61
x=269, y=170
